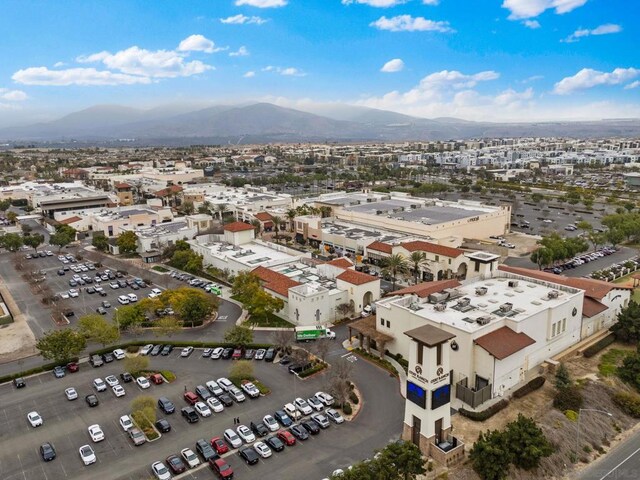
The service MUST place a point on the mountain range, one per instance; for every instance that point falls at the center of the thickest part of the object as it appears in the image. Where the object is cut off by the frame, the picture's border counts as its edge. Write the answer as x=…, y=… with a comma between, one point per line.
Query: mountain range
x=268, y=123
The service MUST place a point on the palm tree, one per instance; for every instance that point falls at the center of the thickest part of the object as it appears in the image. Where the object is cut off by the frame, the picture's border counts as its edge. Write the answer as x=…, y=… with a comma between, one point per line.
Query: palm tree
x=291, y=214
x=395, y=264
x=257, y=226
x=418, y=260
x=325, y=211
x=221, y=208
x=277, y=223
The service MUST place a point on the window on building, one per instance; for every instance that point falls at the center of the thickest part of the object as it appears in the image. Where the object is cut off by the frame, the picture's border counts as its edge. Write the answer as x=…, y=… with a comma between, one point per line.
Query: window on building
x=439, y=355
x=437, y=258
x=388, y=324
x=553, y=330
x=564, y=325
x=382, y=322
x=476, y=266
x=449, y=261
x=420, y=352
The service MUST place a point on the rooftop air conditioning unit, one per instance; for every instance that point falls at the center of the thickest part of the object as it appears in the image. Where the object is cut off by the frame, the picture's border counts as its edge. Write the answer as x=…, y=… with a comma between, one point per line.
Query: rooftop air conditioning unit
x=483, y=320
x=438, y=297
x=463, y=302
x=440, y=307
x=506, y=307
x=553, y=294
x=513, y=283
x=481, y=291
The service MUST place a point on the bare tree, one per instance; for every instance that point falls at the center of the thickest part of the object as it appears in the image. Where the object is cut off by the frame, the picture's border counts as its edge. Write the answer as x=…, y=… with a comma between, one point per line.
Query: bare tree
x=300, y=356
x=321, y=348
x=344, y=309
x=282, y=339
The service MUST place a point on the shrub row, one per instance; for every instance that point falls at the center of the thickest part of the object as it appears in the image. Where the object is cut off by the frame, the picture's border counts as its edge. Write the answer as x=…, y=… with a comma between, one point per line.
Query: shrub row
x=346, y=408
x=629, y=403
x=310, y=371
x=484, y=414
x=33, y=371
x=531, y=386
x=381, y=362
x=145, y=425
x=599, y=345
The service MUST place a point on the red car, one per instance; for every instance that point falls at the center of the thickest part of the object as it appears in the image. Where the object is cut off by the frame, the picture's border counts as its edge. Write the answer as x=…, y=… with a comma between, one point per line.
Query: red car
x=221, y=468
x=237, y=354
x=219, y=445
x=73, y=367
x=176, y=464
x=287, y=438
x=191, y=398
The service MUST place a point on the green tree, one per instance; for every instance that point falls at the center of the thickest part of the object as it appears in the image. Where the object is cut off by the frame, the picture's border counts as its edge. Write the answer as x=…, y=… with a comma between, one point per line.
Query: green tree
x=629, y=371
x=262, y=305
x=143, y=408
x=11, y=241
x=34, y=241
x=405, y=457
x=167, y=326
x=4, y=205
x=394, y=264
x=418, y=262
x=100, y=241
x=186, y=260
x=98, y=329
x=542, y=257
x=527, y=443
x=239, y=336
x=61, y=345
x=277, y=225
x=563, y=379
x=63, y=236
x=127, y=242
x=615, y=236
x=130, y=317
x=241, y=370
x=491, y=456
x=627, y=326
x=12, y=217
x=137, y=364
x=244, y=286
x=187, y=208
x=192, y=306
x=537, y=197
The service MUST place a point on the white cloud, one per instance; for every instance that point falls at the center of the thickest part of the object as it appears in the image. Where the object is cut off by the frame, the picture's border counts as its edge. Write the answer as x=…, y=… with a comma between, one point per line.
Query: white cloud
x=241, y=52
x=407, y=23
x=532, y=8
x=249, y=74
x=243, y=19
x=393, y=66
x=12, y=95
x=635, y=84
x=198, y=43
x=262, y=3
x=155, y=64
x=605, y=29
x=74, y=76
x=588, y=78
x=288, y=71
x=532, y=78
x=376, y=3
x=59, y=64
x=532, y=24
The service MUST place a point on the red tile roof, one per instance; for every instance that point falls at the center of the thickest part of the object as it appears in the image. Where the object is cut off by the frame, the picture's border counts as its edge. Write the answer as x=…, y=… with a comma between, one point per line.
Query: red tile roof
x=595, y=289
x=341, y=262
x=591, y=307
x=263, y=216
x=504, y=342
x=70, y=220
x=380, y=247
x=274, y=281
x=426, y=288
x=168, y=191
x=356, y=278
x=122, y=185
x=420, y=246
x=237, y=227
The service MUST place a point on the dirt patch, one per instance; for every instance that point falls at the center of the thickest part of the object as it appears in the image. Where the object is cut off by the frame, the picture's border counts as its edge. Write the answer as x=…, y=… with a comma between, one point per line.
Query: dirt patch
x=17, y=342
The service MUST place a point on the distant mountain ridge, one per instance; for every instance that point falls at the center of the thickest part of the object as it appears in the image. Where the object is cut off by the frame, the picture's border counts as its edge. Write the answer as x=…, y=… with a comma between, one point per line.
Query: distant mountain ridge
x=265, y=123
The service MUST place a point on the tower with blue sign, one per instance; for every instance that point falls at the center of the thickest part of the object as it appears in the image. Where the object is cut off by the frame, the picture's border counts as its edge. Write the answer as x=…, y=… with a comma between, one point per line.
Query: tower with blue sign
x=427, y=415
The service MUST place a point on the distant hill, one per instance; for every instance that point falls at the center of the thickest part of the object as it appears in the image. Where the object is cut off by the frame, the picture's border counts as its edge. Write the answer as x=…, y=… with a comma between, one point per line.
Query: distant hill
x=263, y=122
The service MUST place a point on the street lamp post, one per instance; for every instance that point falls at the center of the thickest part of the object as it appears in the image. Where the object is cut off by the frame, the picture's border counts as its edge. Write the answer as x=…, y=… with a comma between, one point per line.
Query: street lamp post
x=580, y=415
x=116, y=319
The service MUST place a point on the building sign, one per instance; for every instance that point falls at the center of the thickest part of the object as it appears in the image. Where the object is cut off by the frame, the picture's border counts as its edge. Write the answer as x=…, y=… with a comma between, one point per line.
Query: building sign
x=441, y=375
x=473, y=219
x=416, y=394
x=440, y=396
x=417, y=375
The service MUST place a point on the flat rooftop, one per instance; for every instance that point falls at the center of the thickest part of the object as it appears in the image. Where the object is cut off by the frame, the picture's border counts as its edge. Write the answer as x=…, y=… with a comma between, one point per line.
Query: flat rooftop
x=478, y=303
x=308, y=276
x=161, y=229
x=417, y=212
x=251, y=254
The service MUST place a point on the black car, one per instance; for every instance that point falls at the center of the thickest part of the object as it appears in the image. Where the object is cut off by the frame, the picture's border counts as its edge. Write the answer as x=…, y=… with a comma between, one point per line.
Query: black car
x=47, y=452
x=299, y=432
x=225, y=399
x=166, y=350
x=190, y=414
x=19, y=382
x=92, y=400
x=275, y=443
x=107, y=357
x=156, y=350
x=206, y=450
x=270, y=355
x=249, y=354
x=91, y=290
x=163, y=425
x=283, y=418
x=311, y=427
x=297, y=368
x=166, y=405
x=126, y=377
x=286, y=360
x=226, y=353
x=61, y=272
x=259, y=429
x=102, y=293
x=142, y=285
x=203, y=393
x=135, y=287
x=249, y=455
x=176, y=464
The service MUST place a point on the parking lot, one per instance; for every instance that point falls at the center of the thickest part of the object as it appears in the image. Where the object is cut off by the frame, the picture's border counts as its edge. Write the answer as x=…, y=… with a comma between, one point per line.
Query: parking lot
x=66, y=422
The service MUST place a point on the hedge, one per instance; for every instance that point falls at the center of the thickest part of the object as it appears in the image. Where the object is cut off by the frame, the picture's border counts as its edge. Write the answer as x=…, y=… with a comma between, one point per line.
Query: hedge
x=381, y=362
x=599, y=345
x=484, y=414
x=310, y=371
x=531, y=386
x=44, y=368
x=346, y=408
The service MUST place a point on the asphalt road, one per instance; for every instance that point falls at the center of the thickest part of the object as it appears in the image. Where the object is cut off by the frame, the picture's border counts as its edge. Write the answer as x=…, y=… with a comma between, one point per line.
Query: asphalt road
x=65, y=423
x=623, y=462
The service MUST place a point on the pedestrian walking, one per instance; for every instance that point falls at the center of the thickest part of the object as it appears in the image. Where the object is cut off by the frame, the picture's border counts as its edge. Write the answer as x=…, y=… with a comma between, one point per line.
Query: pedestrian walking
x=185, y=389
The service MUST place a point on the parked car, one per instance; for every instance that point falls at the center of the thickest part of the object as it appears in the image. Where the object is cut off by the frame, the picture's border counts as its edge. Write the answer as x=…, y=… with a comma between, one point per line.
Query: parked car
x=226, y=353
x=160, y=471
x=189, y=414
x=58, y=371
x=136, y=436
x=262, y=449
x=275, y=443
x=19, y=382
x=163, y=425
x=260, y=353
x=321, y=420
x=186, y=351
x=271, y=423
x=249, y=455
x=311, y=427
x=143, y=383
x=126, y=377
x=221, y=468
x=214, y=387
x=287, y=438
x=87, y=455
x=232, y=438
x=202, y=409
x=47, y=452
x=203, y=392
x=71, y=393
x=302, y=406
x=205, y=450
x=175, y=463
x=217, y=353
x=245, y=434
x=214, y=404
x=126, y=423
x=250, y=389
x=299, y=432
x=166, y=405
x=190, y=397
x=283, y=418
x=334, y=416
x=235, y=393
x=189, y=457
x=259, y=429
x=92, y=400
x=219, y=445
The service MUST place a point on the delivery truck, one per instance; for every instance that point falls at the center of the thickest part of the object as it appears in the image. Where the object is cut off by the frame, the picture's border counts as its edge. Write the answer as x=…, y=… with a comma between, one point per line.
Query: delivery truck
x=304, y=334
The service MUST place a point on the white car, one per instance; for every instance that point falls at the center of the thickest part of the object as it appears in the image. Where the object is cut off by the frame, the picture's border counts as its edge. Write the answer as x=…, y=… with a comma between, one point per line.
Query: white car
x=118, y=391
x=215, y=404
x=126, y=423
x=96, y=433
x=123, y=299
x=302, y=405
x=143, y=383
x=217, y=353
x=246, y=434
x=334, y=416
x=270, y=423
x=87, y=454
x=113, y=285
x=250, y=389
x=34, y=419
x=224, y=383
x=99, y=385
x=232, y=438
x=202, y=409
x=73, y=293
x=262, y=449
x=186, y=351
x=325, y=398
x=118, y=354
x=146, y=349
x=112, y=380
x=160, y=471
x=315, y=404
x=214, y=388
x=190, y=458
x=132, y=297
x=155, y=292
x=292, y=411
x=71, y=393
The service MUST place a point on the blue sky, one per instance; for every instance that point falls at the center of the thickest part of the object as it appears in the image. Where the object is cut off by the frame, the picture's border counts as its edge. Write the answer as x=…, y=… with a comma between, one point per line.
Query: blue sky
x=515, y=60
